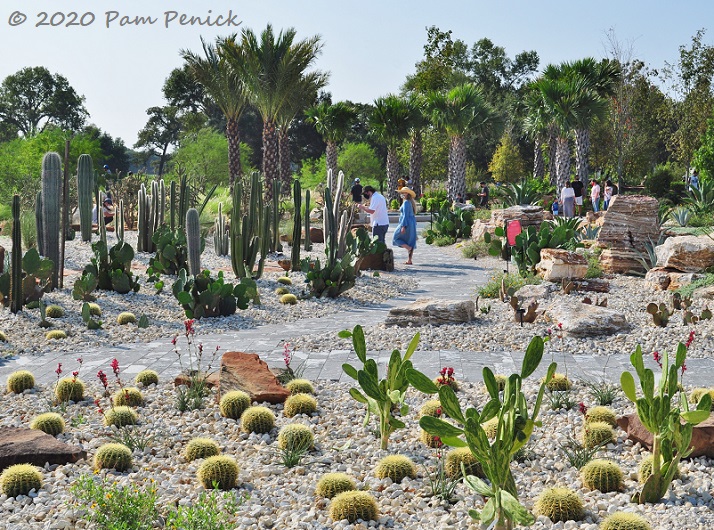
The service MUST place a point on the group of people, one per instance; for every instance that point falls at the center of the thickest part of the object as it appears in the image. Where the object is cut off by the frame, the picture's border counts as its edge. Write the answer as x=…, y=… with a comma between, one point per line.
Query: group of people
x=571, y=197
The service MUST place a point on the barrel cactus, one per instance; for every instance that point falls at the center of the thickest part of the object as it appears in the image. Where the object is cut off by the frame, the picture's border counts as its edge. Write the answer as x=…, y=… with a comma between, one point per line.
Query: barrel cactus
x=121, y=416
x=559, y=383
x=602, y=475
x=258, y=420
x=129, y=397
x=645, y=469
x=300, y=386
x=50, y=423
x=113, y=456
x=288, y=299
x=430, y=440
x=54, y=311
x=299, y=404
x=233, y=404
x=3, y=337
x=458, y=456
x=20, y=381
x=95, y=310
x=147, y=377
x=56, y=334
x=697, y=394
x=597, y=433
x=280, y=291
x=201, y=448
x=296, y=436
x=560, y=504
x=396, y=467
x=20, y=479
x=431, y=408
x=69, y=389
x=284, y=280
x=126, y=318
x=500, y=381
x=354, y=505
x=491, y=427
x=601, y=414
x=624, y=521
x=333, y=484
x=219, y=472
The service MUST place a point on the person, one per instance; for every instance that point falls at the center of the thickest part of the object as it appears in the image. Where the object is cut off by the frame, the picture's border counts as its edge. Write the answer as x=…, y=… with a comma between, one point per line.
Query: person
x=554, y=208
x=607, y=197
x=401, y=182
x=108, y=210
x=405, y=235
x=694, y=181
x=595, y=195
x=378, y=217
x=578, y=186
x=483, y=202
x=567, y=200
x=356, y=192
x=459, y=199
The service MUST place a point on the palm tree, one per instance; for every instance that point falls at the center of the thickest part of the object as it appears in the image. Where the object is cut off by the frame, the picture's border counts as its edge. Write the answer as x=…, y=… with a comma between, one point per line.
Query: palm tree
x=271, y=67
x=460, y=111
x=390, y=123
x=537, y=127
x=418, y=120
x=225, y=87
x=332, y=122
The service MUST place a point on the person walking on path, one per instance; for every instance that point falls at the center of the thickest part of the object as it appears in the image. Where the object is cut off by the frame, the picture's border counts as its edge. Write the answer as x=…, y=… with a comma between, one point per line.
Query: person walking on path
x=595, y=195
x=567, y=200
x=608, y=195
x=378, y=216
x=578, y=186
x=405, y=235
x=483, y=195
x=356, y=192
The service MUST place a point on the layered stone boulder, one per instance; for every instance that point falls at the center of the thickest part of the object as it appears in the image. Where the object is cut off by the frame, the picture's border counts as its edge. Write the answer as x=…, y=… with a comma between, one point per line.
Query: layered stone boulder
x=586, y=320
x=432, y=312
x=528, y=215
x=686, y=253
x=557, y=264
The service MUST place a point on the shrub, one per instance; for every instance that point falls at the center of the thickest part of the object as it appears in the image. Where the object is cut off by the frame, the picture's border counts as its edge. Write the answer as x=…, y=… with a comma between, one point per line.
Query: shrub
x=645, y=469
x=560, y=504
x=147, y=377
x=284, y=280
x=113, y=456
x=54, y=311
x=594, y=268
x=129, y=397
x=458, y=456
x=601, y=414
x=280, y=291
x=333, y=484
x=20, y=479
x=430, y=408
x=602, y=475
x=288, y=299
x=597, y=433
x=50, y=423
x=300, y=386
x=474, y=250
x=396, y=467
x=559, y=383
x=296, y=436
x=56, y=334
x=218, y=472
x=200, y=448
x=69, y=389
x=20, y=381
x=659, y=182
x=443, y=241
x=354, y=505
x=688, y=290
x=697, y=394
x=624, y=521
x=234, y=404
x=299, y=404
x=126, y=318
x=492, y=289
x=258, y=419
x=121, y=416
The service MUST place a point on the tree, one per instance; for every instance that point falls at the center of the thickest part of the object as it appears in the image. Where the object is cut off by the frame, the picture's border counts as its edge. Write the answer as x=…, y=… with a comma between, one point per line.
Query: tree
x=332, y=122
x=113, y=151
x=390, y=123
x=160, y=132
x=460, y=111
x=443, y=63
x=360, y=161
x=33, y=98
x=417, y=121
x=507, y=164
x=704, y=156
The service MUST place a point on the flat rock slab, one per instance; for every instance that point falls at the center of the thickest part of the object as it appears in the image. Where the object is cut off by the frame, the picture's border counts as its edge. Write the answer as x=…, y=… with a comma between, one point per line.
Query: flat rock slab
x=558, y=264
x=663, y=279
x=19, y=445
x=247, y=372
x=702, y=435
x=585, y=320
x=432, y=312
x=686, y=253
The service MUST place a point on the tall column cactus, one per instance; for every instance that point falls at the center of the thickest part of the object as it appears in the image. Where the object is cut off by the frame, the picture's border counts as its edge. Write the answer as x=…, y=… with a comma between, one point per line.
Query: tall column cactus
x=247, y=230
x=16, y=264
x=38, y=223
x=119, y=222
x=172, y=211
x=308, y=241
x=220, y=235
x=275, y=245
x=295, y=249
x=236, y=232
x=85, y=189
x=141, y=220
x=193, y=241
x=51, y=186
x=101, y=225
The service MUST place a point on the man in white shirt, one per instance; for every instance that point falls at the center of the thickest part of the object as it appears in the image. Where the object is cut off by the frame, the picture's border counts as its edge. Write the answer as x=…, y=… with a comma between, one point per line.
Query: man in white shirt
x=377, y=210
x=595, y=195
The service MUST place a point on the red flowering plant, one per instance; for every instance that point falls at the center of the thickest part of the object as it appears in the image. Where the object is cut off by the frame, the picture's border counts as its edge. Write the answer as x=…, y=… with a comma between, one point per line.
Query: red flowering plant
x=60, y=397
x=446, y=378
x=195, y=369
x=289, y=373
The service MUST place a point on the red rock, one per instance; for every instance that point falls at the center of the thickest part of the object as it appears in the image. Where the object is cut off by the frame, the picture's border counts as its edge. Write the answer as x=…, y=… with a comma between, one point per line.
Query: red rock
x=28, y=446
x=247, y=372
x=702, y=435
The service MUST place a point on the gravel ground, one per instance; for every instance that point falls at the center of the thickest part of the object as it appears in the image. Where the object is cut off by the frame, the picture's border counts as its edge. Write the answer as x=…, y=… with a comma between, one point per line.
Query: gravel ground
x=284, y=498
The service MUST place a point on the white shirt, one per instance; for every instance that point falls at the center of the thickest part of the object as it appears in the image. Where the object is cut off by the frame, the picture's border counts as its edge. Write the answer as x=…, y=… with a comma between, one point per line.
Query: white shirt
x=566, y=193
x=378, y=203
x=595, y=192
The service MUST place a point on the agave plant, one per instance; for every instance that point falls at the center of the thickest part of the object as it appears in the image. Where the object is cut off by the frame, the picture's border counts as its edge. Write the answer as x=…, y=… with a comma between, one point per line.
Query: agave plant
x=701, y=200
x=517, y=194
x=680, y=215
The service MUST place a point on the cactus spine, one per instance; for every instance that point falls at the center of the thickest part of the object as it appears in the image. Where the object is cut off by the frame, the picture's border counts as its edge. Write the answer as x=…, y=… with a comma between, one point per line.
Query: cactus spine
x=193, y=241
x=51, y=185
x=85, y=189
x=275, y=245
x=16, y=266
x=308, y=241
x=221, y=235
x=295, y=249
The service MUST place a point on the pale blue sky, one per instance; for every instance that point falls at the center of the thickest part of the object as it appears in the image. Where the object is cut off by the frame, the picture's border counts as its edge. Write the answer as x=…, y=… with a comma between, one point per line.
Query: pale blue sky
x=369, y=46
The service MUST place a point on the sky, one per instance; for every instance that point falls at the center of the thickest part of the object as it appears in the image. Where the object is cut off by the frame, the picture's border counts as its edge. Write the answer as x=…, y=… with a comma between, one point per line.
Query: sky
x=369, y=47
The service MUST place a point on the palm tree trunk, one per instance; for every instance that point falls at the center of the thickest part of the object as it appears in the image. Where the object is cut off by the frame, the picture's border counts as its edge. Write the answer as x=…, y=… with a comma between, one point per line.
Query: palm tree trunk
x=235, y=171
x=416, y=150
x=582, y=154
x=552, y=150
x=392, y=172
x=538, y=162
x=284, y=150
x=331, y=159
x=457, y=168
x=270, y=157
x=562, y=162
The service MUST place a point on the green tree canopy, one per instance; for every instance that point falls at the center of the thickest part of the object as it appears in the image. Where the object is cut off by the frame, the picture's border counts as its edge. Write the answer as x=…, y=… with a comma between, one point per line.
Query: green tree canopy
x=507, y=164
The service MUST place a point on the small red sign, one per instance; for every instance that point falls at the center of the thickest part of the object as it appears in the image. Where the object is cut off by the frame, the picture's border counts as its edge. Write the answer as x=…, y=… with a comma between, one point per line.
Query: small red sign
x=512, y=230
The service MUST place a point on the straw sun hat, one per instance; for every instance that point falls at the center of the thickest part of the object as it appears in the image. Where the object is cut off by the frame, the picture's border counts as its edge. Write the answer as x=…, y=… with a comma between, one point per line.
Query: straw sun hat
x=407, y=191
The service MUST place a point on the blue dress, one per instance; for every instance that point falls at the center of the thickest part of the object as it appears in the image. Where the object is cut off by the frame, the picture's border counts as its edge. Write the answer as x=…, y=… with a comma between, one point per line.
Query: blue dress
x=408, y=221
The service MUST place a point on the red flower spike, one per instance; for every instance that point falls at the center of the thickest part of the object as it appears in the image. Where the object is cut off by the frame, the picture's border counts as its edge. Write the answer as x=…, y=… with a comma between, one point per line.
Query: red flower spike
x=75, y=373
x=582, y=408
x=58, y=371
x=115, y=366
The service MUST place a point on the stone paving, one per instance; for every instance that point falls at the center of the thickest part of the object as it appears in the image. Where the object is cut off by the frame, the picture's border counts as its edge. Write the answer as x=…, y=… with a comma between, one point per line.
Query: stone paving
x=437, y=273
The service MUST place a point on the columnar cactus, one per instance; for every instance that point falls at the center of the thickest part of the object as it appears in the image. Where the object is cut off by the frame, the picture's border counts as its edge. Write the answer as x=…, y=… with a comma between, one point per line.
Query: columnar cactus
x=119, y=222
x=275, y=245
x=16, y=295
x=193, y=241
x=246, y=230
x=51, y=186
x=295, y=249
x=172, y=205
x=308, y=242
x=85, y=190
x=38, y=222
x=221, y=234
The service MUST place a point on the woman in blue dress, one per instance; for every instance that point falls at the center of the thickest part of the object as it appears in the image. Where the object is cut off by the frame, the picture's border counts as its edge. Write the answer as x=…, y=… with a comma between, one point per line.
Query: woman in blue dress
x=405, y=235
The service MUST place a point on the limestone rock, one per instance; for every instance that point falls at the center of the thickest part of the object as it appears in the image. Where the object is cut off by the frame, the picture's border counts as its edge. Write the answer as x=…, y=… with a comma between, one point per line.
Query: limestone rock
x=528, y=215
x=28, y=446
x=665, y=278
x=247, y=372
x=702, y=435
x=705, y=292
x=557, y=264
x=585, y=320
x=432, y=312
x=620, y=261
x=686, y=253
x=537, y=292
